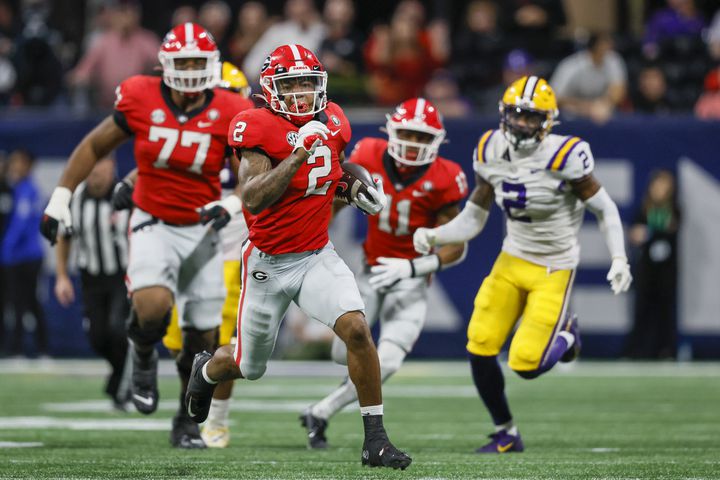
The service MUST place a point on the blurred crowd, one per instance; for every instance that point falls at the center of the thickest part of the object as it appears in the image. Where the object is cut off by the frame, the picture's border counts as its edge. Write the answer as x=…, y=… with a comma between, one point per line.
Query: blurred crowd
x=602, y=56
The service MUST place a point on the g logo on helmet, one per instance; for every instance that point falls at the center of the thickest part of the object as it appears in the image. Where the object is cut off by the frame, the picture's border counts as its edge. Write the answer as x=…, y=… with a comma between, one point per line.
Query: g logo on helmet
x=265, y=64
x=260, y=276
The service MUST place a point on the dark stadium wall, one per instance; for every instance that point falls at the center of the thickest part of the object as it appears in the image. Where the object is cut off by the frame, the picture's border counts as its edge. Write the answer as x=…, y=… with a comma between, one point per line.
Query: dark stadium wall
x=626, y=150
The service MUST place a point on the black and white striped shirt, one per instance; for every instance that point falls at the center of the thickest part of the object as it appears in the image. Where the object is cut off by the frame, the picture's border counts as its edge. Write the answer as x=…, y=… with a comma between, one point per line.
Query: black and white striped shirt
x=100, y=234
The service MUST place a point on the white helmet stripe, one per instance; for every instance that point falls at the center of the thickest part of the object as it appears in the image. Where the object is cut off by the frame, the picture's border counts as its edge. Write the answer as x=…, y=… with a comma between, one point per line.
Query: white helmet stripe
x=296, y=55
x=189, y=32
x=419, y=108
x=530, y=87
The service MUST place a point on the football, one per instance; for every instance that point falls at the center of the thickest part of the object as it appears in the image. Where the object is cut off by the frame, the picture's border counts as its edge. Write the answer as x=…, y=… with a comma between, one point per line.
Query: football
x=355, y=179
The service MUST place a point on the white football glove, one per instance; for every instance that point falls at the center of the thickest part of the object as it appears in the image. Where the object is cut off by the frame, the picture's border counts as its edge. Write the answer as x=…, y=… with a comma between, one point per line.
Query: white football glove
x=376, y=202
x=389, y=271
x=310, y=136
x=220, y=212
x=619, y=275
x=57, y=214
x=424, y=239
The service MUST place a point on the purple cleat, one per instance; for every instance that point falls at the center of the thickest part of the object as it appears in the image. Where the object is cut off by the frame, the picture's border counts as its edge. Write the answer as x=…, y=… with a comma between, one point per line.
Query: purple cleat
x=573, y=352
x=502, y=442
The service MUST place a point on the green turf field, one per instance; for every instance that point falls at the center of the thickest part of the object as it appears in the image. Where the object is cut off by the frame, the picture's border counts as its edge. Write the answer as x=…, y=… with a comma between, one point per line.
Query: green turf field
x=622, y=421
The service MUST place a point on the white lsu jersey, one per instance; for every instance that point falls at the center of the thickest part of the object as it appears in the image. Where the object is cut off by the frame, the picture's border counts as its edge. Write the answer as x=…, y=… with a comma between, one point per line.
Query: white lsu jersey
x=543, y=216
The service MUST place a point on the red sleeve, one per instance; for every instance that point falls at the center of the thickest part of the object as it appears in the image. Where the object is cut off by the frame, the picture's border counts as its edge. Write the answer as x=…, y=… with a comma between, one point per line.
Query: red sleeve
x=126, y=103
x=337, y=117
x=457, y=186
x=358, y=154
x=247, y=130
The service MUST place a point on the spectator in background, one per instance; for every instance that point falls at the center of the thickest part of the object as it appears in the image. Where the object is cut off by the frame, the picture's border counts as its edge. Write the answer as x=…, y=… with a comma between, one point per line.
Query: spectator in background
x=651, y=94
x=518, y=63
x=443, y=91
x=252, y=22
x=302, y=26
x=478, y=49
x=593, y=82
x=713, y=37
x=183, y=14
x=708, y=105
x=654, y=232
x=215, y=16
x=22, y=253
x=680, y=19
x=100, y=235
x=7, y=70
x=126, y=49
x=401, y=57
x=341, y=51
x=39, y=71
x=531, y=24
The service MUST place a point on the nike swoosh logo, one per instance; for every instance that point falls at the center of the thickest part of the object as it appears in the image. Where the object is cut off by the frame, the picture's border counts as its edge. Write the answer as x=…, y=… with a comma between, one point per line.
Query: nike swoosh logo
x=204, y=124
x=504, y=449
x=415, y=193
x=335, y=132
x=190, y=412
x=146, y=400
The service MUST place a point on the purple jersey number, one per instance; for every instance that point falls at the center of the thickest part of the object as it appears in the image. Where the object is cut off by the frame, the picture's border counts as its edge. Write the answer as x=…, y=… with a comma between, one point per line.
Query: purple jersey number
x=519, y=203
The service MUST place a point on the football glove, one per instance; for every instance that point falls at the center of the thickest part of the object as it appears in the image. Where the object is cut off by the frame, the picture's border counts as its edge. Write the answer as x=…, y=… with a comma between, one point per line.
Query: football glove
x=57, y=214
x=392, y=270
x=376, y=202
x=424, y=239
x=619, y=275
x=310, y=136
x=122, y=195
x=220, y=212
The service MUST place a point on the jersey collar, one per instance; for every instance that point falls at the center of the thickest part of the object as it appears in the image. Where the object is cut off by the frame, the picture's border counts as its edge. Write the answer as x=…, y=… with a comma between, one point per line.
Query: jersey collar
x=181, y=116
x=395, y=177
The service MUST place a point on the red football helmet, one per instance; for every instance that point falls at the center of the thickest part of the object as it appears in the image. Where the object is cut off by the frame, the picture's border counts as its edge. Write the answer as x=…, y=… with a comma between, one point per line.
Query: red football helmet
x=421, y=125
x=289, y=75
x=189, y=40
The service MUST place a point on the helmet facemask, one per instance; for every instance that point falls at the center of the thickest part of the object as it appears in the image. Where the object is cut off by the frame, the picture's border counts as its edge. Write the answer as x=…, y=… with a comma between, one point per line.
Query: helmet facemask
x=298, y=94
x=524, y=127
x=183, y=74
x=413, y=145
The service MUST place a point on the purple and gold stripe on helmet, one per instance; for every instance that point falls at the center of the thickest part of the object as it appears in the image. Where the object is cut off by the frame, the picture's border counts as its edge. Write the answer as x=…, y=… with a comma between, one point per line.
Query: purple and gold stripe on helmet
x=482, y=145
x=559, y=159
x=559, y=323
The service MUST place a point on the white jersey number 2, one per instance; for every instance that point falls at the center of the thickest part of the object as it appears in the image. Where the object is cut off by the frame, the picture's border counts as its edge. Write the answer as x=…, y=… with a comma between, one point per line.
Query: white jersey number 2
x=321, y=169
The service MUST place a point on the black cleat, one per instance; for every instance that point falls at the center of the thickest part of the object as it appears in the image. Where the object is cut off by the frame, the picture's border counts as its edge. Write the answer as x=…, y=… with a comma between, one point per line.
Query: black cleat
x=185, y=433
x=144, y=383
x=199, y=392
x=574, y=351
x=379, y=452
x=315, y=430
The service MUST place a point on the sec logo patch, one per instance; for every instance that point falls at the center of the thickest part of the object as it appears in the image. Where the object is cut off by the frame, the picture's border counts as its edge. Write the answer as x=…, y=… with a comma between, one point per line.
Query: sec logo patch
x=292, y=138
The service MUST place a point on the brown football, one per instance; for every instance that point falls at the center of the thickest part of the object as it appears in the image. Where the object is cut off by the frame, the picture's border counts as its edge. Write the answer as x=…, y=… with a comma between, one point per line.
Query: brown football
x=355, y=179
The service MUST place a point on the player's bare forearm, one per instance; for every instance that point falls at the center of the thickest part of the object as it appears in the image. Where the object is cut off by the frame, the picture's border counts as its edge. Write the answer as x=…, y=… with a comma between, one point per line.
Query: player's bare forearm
x=62, y=253
x=102, y=140
x=260, y=184
x=483, y=194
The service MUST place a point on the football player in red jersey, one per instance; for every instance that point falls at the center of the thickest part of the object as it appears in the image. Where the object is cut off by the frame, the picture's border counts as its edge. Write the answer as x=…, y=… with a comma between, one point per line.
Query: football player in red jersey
x=290, y=153
x=179, y=124
x=422, y=190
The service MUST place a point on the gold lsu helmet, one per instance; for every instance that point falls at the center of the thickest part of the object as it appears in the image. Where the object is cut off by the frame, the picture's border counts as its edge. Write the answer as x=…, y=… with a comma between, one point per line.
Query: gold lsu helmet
x=528, y=111
x=232, y=78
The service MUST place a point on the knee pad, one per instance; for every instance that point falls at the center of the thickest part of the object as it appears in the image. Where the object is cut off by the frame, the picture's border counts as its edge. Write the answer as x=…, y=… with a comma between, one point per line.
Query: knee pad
x=391, y=358
x=194, y=342
x=148, y=335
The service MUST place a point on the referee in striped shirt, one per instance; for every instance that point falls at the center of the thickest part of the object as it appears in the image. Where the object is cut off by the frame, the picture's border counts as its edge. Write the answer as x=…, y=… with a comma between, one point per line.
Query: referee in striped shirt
x=100, y=238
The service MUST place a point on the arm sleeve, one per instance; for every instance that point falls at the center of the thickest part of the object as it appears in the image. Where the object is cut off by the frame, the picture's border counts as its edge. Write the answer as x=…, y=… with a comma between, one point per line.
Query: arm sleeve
x=245, y=131
x=467, y=225
x=602, y=206
x=124, y=105
x=577, y=163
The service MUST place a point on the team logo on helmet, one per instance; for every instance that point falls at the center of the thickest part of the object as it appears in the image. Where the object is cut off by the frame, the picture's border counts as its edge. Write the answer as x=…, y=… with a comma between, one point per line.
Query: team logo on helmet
x=265, y=64
x=292, y=138
x=158, y=116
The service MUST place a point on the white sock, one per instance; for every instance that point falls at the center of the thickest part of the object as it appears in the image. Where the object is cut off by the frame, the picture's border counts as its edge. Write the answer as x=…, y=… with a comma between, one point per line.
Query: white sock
x=344, y=395
x=219, y=412
x=569, y=338
x=509, y=426
x=371, y=410
x=205, y=375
